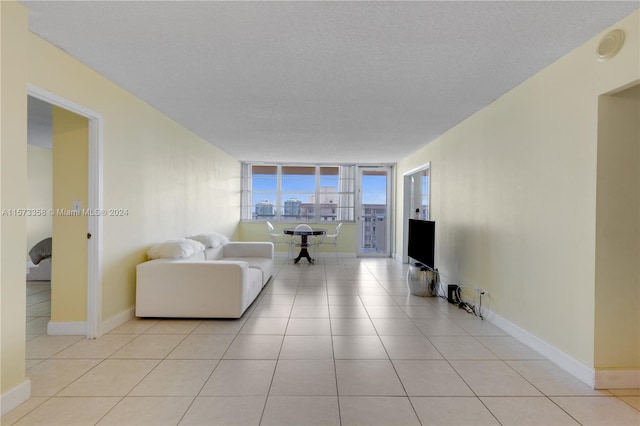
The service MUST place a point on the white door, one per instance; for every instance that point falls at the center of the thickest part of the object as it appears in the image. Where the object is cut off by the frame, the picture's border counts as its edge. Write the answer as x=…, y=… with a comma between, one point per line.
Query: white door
x=373, y=209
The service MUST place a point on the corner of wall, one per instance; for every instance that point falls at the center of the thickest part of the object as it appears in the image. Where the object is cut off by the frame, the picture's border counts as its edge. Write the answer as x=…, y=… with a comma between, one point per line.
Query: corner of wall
x=15, y=396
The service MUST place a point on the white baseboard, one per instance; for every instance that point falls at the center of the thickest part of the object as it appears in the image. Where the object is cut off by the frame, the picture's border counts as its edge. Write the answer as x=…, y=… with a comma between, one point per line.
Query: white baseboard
x=617, y=379
x=16, y=396
x=80, y=328
x=574, y=367
x=117, y=320
x=64, y=328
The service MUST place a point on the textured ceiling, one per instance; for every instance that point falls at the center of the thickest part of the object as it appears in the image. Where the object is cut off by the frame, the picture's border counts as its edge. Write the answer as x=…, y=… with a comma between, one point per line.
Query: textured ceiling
x=365, y=82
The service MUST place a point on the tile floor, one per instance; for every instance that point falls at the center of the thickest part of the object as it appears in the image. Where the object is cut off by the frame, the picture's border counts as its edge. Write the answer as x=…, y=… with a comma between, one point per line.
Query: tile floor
x=38, y=308
x=328, y=344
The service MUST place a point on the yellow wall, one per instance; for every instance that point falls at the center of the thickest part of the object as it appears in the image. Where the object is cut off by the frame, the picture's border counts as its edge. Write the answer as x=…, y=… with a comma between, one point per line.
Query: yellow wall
x=40, y=190
x=70, y=183
x=13, y=191
x=514, y=195
x=617, y=310
x=171, y=182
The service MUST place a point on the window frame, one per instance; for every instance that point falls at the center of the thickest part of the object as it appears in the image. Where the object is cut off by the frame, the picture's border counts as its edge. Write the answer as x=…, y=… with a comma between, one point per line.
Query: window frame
x=345, y=193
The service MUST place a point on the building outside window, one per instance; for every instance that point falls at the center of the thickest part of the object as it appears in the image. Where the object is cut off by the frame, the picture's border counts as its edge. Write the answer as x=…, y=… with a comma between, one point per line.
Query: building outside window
x=265, y=210
x=374, y=226
x=304, y=193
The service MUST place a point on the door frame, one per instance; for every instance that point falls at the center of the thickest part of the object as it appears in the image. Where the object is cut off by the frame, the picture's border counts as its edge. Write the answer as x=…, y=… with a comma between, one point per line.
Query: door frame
x=94, y=244
x=389, y=214
x=408, y=195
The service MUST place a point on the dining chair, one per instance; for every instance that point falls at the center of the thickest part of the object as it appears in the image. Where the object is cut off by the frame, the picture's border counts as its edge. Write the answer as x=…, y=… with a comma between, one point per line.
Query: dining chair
x=278, y=238
x=311, y=240
x=331, y=240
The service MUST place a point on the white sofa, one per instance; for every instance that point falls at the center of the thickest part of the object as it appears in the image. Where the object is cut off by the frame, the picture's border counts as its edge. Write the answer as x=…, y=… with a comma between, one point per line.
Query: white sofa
x=219, y=282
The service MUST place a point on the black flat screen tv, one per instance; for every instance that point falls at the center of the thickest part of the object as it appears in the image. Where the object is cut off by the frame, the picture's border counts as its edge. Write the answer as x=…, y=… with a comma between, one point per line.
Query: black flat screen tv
x=422, y=235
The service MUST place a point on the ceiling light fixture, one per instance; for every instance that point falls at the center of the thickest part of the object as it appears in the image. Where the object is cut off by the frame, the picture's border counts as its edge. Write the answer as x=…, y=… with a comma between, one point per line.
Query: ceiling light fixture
x=610, y=45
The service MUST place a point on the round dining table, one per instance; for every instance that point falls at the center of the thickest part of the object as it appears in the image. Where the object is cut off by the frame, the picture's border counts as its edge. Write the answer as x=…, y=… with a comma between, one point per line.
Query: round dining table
x=304, y=245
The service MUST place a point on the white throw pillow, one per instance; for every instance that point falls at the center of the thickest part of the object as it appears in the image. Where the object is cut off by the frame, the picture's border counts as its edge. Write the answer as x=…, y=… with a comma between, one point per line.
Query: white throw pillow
x=212, y=240
x=175, y=249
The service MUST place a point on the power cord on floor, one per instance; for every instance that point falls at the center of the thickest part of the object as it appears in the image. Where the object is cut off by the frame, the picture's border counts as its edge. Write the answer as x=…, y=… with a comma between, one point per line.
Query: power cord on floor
x=469, y=307
x=472, y=307
x=441, y=286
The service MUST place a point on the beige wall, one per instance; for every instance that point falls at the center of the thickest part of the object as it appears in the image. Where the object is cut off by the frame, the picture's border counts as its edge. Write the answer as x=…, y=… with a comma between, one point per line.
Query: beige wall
x=40, y=190
x=514, y=195
x=13, y=191
x=171, y=182
x=617, y=309
x=70, y=183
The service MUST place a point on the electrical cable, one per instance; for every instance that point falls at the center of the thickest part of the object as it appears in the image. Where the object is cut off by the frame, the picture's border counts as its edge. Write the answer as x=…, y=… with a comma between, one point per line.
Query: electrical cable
x=440, y=277
x=470, y=308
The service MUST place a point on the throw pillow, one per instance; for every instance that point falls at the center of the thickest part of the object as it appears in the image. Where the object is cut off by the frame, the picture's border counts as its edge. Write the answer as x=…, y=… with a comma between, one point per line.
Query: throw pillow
x=212, y=240
x=175, y=249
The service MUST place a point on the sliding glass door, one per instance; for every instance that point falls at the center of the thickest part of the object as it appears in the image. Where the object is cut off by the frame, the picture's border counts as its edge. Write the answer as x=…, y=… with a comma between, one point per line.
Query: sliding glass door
x=373, y=212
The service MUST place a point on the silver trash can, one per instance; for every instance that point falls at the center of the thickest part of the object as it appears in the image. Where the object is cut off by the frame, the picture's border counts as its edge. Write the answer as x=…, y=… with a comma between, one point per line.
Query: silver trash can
x=423, y=281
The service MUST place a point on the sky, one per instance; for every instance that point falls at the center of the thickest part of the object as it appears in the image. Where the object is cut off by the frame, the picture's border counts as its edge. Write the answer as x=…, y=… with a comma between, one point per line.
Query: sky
x=373, y=188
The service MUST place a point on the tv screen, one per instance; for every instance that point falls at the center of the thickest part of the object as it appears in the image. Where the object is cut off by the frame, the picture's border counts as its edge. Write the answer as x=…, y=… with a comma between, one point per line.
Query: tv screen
x=422, y=235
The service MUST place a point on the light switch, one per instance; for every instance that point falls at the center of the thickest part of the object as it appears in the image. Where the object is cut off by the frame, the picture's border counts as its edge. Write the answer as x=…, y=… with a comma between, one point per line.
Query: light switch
x=77, y=206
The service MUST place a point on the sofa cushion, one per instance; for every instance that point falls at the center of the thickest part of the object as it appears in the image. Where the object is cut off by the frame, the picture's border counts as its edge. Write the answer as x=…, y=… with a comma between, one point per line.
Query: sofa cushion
x=196, y=256
x=262, y=263
x=253, y=287
x=213, y=253
x=181, y=248
x=248, y=249
x=211, y=240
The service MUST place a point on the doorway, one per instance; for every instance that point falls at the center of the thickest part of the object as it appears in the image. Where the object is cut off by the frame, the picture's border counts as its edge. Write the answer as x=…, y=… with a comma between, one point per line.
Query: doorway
x=91, y=232
x=39, y=226
x=417, y=200
x=373, y=217
x=617, y=248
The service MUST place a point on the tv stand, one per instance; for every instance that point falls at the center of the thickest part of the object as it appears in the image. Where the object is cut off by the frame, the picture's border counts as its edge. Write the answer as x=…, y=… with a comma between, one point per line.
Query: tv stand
x=422, y=280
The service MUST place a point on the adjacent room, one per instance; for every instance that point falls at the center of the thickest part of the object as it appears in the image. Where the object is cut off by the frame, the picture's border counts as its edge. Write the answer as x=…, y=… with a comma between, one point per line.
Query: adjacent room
x=320, y=213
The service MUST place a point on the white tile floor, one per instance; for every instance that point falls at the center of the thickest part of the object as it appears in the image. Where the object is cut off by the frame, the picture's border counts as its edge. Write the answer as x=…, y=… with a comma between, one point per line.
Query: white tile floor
x=38, y=307
x=324, y=344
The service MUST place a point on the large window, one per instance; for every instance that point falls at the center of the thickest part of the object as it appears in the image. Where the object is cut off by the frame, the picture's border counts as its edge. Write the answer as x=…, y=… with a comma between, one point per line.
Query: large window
x=298, y=193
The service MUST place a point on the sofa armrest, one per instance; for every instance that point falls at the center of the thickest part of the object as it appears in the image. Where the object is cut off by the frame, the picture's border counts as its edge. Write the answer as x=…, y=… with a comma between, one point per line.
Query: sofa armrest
x=248, y=249
x=196, y=267
x=160, y=273
x=175, y=288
